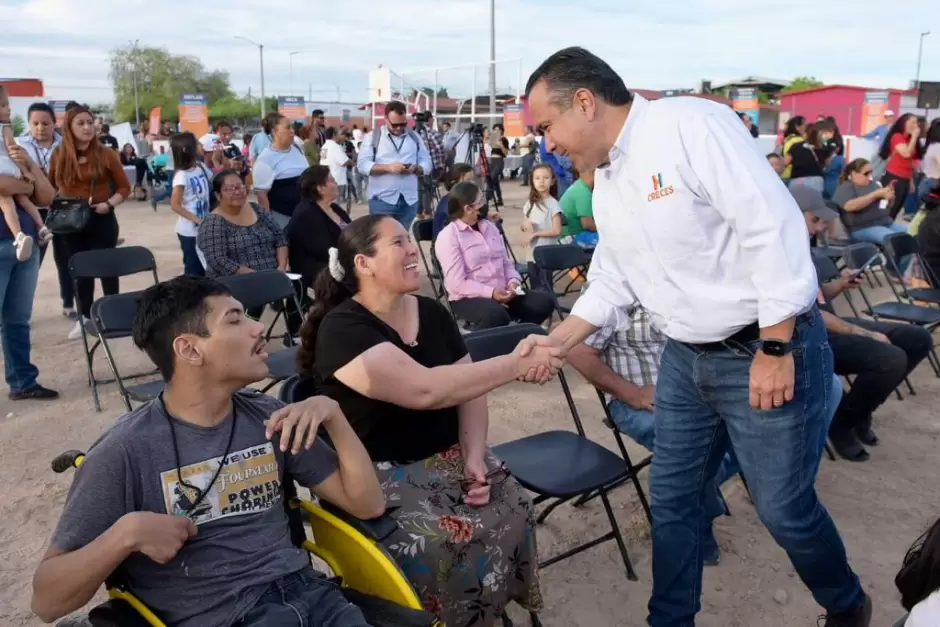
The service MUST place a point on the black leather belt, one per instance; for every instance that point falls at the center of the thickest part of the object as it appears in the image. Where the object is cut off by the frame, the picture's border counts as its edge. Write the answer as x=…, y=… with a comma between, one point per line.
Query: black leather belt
x=748, y=334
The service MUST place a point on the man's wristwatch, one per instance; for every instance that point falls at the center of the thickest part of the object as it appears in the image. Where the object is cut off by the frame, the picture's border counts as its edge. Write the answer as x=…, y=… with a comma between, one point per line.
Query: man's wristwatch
x=775, y=348
x=110, y=206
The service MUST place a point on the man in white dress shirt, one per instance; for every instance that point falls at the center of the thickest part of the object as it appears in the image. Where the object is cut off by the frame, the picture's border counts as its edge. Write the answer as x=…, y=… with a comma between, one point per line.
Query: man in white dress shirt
x=695, y=225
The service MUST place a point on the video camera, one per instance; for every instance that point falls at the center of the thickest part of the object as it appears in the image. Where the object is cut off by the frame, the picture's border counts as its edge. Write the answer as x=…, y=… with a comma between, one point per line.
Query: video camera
x=422, y=117
x=476, y=129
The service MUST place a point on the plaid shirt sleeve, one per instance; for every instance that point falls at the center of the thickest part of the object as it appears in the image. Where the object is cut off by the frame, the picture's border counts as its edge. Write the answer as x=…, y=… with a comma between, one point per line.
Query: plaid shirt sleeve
x=436, y=147
x=601, y=338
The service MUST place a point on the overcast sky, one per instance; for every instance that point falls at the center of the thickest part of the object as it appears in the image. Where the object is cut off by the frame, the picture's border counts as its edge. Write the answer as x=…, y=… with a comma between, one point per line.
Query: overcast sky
x=655, y=44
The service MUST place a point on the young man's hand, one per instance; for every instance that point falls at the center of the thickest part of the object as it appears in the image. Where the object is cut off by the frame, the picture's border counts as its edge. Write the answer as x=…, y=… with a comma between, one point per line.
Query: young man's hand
x=301, y=421
x=158, y=536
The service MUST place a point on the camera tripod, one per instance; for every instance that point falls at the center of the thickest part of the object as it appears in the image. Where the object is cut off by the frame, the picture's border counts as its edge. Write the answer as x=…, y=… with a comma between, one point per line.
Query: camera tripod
x=428, y=193
x=475, y=150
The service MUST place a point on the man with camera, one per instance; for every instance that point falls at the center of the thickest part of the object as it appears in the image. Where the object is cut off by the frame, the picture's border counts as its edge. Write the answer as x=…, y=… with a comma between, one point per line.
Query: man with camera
x=394, y=158
x=434, y=141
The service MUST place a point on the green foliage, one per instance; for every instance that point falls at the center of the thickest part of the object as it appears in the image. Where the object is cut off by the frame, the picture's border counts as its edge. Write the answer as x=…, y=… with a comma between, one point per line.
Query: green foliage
x=18, y=124
x=802, y=82
x=161, y=78
x=240, y=110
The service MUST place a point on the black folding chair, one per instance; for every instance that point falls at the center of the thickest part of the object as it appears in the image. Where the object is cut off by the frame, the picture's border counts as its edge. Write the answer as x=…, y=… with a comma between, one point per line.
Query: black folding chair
x=556, y=465
x=423, y=231
x=521, y=267
x=855, y=257
x=899, y=246
x=559, y=258
x=633, y=469
x=107, y=263
x=113, y=317
x=270, y=287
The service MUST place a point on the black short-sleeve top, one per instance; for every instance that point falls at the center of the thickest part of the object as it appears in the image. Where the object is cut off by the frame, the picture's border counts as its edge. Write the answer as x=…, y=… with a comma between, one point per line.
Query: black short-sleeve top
x=390, y=432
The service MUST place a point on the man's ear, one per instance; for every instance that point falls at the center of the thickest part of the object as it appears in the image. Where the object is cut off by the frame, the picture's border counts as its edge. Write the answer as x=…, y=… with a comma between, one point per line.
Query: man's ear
x=187, y=350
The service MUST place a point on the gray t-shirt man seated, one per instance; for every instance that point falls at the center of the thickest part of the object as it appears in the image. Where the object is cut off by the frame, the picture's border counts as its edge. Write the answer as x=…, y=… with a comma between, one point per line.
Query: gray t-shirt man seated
x=185, y=494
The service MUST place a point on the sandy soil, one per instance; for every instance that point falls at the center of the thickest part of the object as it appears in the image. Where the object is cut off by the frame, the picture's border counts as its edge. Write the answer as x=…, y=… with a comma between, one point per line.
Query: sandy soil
x=880, y=506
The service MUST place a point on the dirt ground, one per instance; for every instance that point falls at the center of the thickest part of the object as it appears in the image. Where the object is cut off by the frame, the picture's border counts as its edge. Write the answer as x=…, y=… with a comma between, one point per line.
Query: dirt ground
x=879, y=506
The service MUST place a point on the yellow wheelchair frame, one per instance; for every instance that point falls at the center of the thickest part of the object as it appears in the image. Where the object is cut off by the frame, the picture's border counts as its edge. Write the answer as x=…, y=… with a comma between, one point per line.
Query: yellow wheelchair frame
x=362, y=563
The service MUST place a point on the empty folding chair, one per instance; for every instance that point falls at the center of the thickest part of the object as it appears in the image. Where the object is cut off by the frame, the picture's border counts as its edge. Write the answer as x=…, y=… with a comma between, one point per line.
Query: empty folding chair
x=422, y=231
x=113, y=317
x=632, y=468
x=558, y=466
x=257, y=289
x=107, y=263
x=559, y=258
x=856, y=256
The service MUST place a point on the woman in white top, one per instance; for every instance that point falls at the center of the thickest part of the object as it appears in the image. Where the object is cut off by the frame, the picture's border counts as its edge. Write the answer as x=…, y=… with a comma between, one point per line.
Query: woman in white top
x=190, y=198
x=918, y=581
x=333, y=155
x=276, y=172
x=930, y=164
x=541, y=218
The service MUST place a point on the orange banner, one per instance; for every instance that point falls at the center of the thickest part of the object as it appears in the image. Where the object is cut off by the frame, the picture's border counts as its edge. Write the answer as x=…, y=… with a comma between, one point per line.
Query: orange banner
x=513, y=120
x=154, y=121
x=194, y=114
x=292, y=108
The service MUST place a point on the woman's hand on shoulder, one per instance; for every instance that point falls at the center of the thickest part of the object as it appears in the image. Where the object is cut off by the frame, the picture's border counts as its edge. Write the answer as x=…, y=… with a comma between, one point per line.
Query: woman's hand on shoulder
x=300, y=422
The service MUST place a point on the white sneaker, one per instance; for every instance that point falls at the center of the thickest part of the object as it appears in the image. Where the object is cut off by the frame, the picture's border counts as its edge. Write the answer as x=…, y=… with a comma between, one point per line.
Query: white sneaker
x=23, y=244
x=76, y=331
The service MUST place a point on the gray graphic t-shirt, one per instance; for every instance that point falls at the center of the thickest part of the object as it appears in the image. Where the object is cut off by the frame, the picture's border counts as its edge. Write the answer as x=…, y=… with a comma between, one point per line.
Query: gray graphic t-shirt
x=243, y=541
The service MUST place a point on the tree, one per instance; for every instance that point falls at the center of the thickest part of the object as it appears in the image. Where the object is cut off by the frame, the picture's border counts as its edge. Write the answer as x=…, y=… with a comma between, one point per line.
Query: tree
x=161, y=78
x=18, y=124
x=802, y=82
x=441, y=92
x=239, y=110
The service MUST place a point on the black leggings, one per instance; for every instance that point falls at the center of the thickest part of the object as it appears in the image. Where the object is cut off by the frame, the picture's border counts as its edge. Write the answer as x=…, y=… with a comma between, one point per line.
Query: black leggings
x=901, y=189
x=486, y=313
x=496, y=165
x=101, y=232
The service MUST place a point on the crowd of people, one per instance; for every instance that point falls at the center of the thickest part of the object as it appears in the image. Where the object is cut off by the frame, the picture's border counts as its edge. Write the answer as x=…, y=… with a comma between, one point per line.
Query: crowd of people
x=386, y=373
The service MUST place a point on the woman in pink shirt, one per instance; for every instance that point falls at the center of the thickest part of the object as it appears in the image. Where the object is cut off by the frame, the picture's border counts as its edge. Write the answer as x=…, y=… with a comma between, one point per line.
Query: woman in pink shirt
x=481, y=281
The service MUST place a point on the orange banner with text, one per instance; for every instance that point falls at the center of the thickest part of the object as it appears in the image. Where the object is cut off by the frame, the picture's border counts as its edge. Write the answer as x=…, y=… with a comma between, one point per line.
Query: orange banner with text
x=194, y=114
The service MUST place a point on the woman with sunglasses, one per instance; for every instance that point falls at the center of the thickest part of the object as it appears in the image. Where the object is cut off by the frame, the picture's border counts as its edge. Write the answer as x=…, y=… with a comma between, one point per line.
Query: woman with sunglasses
x=397, y=365
x=863, y=204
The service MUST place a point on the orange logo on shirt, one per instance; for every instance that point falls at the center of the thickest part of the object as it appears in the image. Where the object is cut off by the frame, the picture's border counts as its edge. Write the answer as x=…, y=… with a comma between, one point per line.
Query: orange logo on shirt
x=659, y=190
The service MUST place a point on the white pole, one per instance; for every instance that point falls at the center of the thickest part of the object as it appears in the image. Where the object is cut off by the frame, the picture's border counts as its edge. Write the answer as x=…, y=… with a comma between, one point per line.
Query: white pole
x=519, y=82
x=920, y=55
x=261, y=59
x=473, y=97
x=137, y=99
x=492, y=57
x=435, y=97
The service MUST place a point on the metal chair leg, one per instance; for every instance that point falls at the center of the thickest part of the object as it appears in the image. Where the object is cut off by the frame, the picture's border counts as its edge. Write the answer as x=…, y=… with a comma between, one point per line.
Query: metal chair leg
x=829, y=451
x=618, y=537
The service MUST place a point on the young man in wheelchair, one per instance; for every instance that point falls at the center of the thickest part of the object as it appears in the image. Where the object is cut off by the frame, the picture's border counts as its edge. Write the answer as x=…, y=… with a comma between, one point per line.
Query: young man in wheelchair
x=185, y=495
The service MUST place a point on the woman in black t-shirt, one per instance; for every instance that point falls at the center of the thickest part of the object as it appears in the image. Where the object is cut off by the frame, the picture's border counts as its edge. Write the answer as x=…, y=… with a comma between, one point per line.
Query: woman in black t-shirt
x=397, y=365
x=809, y=159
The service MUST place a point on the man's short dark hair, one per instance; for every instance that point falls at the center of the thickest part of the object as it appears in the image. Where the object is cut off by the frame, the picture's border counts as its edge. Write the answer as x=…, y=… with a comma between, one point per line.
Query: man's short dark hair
x=330, y=132
x=571, y=69
x=396, y=106
x=105, y=128
x=40, y=107
x=773, y=155
x=170, y=309
x=317, y=113
x=71, y=104
x=223, y=124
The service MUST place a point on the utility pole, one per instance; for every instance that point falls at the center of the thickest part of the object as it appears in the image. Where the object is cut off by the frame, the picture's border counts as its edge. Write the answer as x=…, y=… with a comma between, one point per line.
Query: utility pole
x=137, y=98
x=920, y=56
x=492, y=57
x=292, y=71
x=261, y=59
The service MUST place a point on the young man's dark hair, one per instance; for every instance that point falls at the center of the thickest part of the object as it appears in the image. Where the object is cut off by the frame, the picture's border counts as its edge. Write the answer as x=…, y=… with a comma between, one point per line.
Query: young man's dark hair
x=105, y=128
x=169, y=309
x=317, y=113
x=571, y=69
x=396, y=106
x=222, y=124
x=71, y=104
x=40, y=107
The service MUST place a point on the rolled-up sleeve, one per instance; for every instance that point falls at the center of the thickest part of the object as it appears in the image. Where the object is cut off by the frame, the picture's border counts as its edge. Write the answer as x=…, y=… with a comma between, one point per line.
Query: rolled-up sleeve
x=769, y=225
x=608, y=294
x=457, y=280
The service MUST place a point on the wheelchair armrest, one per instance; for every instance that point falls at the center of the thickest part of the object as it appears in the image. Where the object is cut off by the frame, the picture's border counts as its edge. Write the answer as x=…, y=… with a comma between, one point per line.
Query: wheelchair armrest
x=116, y=613
x=377, y=529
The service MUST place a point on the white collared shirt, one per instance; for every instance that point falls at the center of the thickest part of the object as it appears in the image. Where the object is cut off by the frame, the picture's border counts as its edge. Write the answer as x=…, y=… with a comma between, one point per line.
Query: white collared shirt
x=695, y=225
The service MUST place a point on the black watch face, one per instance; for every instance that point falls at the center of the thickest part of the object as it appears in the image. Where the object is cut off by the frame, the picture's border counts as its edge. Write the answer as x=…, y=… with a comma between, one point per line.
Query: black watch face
x=774, y=348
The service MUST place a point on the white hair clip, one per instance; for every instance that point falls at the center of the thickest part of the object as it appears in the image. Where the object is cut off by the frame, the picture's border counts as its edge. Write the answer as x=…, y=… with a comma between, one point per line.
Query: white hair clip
x=336, y=268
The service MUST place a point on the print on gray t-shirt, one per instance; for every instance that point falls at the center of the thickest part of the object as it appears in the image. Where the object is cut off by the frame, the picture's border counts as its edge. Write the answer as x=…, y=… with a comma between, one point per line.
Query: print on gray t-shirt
x=243, y=541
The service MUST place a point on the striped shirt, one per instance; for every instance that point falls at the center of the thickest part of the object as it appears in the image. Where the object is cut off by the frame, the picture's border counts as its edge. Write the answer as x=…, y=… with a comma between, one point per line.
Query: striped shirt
x=632, y=350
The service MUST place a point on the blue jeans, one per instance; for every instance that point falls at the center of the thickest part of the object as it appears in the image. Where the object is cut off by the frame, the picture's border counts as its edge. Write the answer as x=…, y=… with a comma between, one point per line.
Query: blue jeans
x=401, y=211
x=17, y=288
x=702, y=403
x=925, y=186
x=164, y=192
x=877, y=234
x=303, y=599
x=192, y=266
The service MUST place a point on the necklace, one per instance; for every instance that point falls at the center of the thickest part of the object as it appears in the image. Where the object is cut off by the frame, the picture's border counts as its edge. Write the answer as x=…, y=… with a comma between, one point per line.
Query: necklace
x=200, y=493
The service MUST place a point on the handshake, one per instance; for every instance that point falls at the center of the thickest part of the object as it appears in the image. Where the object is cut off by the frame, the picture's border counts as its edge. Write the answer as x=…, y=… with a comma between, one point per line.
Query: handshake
x=538, y=358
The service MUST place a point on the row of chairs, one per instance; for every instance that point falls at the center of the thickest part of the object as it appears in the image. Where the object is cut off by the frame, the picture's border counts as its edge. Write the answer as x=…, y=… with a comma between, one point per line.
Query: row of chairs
x=113, y=316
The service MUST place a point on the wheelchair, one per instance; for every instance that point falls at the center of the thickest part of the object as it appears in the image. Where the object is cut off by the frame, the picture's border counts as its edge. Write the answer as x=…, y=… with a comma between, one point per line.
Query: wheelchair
x=369, y=576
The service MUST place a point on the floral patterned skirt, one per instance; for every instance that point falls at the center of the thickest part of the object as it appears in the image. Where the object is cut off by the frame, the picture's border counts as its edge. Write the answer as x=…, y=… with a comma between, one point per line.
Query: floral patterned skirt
x=466, y=563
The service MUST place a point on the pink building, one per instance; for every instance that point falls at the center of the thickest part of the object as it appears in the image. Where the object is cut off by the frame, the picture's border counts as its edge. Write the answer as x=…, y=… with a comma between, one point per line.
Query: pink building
x=843, y=102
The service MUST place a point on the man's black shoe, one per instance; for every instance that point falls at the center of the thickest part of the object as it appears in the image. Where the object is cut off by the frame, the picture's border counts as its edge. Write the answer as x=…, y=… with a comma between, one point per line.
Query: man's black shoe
x=37, y=392
x=867, y=436
x=846, y=443
x=859, y=616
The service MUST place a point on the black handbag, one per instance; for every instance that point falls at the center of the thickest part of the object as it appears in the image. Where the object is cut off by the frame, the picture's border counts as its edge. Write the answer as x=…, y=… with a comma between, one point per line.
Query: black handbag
x=69, y=215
